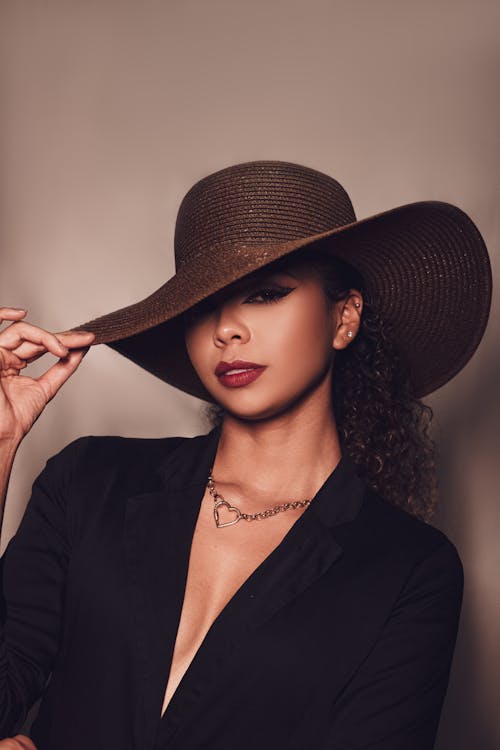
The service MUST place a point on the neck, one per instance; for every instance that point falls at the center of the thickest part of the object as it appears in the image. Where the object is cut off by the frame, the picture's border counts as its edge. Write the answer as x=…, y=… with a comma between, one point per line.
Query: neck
x=288, y=455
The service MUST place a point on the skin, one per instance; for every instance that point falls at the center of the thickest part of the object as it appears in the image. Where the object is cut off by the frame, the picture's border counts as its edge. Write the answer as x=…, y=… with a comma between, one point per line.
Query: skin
x=22, y=398
x=19, y=742
x=284, y=420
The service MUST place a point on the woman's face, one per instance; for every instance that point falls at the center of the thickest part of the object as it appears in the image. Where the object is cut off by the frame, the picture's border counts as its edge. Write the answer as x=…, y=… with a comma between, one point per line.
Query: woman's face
x=280, y=321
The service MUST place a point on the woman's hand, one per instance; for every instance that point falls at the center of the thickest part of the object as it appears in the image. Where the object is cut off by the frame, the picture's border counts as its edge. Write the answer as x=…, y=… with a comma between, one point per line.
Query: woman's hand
x=22, y=399
x=19, y=742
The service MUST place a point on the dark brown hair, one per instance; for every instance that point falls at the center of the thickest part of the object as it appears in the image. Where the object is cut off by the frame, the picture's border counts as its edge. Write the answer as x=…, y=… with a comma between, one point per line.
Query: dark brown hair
x=382, y=426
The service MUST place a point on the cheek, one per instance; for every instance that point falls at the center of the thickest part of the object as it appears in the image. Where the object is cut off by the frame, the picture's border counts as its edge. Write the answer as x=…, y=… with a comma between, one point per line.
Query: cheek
x=307, y=333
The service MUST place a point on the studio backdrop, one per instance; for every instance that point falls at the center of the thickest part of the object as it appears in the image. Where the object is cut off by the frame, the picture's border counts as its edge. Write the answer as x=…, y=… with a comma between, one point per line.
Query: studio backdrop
x=112, y=109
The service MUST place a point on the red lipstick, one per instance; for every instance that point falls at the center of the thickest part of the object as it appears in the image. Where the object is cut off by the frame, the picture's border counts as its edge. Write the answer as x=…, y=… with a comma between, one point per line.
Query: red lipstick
x=246, y=372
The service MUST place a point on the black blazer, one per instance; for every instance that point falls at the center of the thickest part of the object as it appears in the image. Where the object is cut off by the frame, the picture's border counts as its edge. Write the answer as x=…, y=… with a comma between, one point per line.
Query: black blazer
x=341, y=639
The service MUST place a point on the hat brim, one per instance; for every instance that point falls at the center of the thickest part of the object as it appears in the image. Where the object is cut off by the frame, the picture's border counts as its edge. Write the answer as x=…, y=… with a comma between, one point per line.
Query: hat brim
x=424, y=265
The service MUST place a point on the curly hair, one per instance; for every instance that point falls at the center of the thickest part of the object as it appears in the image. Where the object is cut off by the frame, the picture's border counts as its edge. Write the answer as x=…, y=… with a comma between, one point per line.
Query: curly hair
x=382, y=426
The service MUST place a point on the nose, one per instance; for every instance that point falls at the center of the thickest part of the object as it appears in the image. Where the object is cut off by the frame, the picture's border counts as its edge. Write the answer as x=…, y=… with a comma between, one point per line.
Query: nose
x=229, y=325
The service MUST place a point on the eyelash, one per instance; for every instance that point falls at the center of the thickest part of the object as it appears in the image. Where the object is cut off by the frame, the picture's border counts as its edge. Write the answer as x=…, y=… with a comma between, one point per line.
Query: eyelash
x=273, y=295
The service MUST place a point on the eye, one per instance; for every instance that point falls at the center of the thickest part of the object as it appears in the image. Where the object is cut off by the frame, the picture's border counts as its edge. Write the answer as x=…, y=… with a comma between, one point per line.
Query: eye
x=268, y=294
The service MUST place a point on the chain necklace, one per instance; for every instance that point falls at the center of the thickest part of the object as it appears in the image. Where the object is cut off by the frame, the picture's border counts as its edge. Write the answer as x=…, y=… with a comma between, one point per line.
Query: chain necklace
x=221, y=502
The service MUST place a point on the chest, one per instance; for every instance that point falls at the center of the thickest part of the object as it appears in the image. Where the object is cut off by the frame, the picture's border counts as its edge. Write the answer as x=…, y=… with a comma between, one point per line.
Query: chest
x=220, y=561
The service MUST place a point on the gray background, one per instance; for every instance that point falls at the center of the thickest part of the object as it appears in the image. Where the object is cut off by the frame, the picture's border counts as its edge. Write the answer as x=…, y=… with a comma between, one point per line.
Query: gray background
x=111, y=110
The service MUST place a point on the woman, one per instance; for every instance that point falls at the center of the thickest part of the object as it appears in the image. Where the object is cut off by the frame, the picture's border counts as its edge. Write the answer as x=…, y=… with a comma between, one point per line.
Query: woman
x=273, y=583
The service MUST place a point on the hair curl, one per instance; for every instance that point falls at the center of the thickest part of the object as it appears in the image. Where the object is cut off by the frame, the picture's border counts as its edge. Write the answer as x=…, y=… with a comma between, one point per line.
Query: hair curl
x=382, y=426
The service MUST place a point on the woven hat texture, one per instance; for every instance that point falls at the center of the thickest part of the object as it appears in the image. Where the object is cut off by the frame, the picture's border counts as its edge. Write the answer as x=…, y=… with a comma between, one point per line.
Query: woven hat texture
x=424, y=264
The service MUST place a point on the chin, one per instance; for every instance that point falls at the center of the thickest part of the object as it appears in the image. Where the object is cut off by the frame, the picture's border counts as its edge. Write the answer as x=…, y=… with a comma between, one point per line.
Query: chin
x=252, y=409
x=252, y=413
x=251, y=417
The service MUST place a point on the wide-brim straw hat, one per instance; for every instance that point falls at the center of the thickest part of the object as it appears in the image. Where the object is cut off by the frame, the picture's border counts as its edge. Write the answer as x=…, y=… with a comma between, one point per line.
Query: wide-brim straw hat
x=424, y=265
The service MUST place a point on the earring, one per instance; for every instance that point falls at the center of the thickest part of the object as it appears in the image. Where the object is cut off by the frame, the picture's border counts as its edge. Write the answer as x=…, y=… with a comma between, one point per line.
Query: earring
x=349, y=334
x=356, y=304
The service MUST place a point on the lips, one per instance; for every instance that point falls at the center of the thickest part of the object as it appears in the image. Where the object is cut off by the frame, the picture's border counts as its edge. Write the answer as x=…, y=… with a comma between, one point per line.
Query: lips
x=237, y=364
x=238, y=373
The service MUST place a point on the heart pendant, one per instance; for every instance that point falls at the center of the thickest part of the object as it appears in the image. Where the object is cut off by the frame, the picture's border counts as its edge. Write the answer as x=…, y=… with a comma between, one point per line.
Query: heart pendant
x=230, y=508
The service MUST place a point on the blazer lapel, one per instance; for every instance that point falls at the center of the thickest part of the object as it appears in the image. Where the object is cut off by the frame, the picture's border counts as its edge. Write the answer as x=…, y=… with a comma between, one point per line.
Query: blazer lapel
x=307, y=551
x=158, y=535
x=159, y=526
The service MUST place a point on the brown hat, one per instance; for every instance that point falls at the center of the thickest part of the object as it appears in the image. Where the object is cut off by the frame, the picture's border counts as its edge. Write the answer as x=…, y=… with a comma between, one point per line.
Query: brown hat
x=424, y=264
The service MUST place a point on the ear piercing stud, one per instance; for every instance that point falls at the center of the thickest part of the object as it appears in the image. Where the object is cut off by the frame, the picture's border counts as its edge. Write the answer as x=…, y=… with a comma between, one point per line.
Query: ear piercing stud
x=349, y=334
x=356, y=304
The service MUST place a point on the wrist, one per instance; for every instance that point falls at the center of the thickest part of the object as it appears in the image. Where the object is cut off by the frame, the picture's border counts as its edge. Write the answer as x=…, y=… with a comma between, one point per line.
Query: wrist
x=8, y=448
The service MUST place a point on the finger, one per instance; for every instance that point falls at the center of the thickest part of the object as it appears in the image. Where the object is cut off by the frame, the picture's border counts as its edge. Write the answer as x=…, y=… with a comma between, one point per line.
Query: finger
x=75, y=339
x=12, y=313
x=30, y=352
x=13, y=336
x=58, y=374
x=27, y=351
x=9, y=359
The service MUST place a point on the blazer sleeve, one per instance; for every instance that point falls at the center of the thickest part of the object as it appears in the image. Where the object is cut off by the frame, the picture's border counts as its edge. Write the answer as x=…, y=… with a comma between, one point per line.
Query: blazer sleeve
x=395, y=698
x=33, y=571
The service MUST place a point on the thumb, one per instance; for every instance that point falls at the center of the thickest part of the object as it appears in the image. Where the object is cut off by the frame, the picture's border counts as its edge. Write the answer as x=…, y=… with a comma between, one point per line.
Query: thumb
x=58, y=374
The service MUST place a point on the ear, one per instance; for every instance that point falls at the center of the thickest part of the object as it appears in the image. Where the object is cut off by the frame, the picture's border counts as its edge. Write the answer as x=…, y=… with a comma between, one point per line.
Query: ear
x=347, y=314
